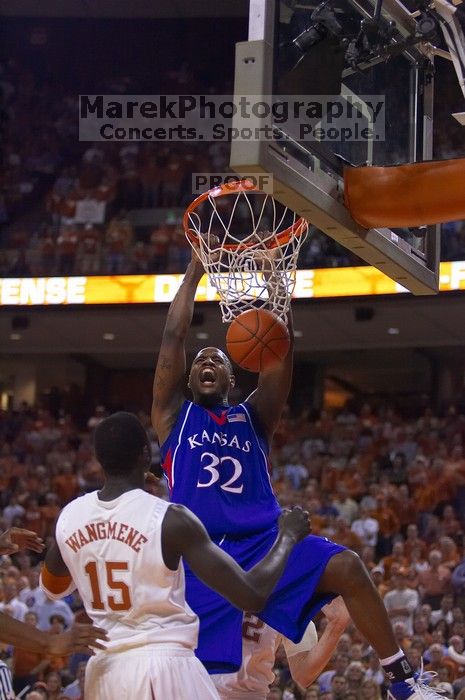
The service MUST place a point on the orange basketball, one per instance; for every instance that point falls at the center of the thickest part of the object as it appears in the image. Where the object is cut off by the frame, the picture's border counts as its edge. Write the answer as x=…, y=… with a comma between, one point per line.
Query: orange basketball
x=257, y=339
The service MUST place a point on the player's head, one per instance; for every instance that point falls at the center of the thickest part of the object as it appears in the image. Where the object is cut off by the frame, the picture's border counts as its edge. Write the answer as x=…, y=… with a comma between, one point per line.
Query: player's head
x=211, y=376
x=121, y=444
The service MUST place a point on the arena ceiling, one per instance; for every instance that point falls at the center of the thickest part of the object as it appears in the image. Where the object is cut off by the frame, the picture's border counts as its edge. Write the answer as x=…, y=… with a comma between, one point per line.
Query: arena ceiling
x=122, y=8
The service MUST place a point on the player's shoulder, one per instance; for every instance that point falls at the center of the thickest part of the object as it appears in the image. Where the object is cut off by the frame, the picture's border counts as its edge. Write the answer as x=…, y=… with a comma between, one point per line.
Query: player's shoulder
x=80, y=502
x=77, y=506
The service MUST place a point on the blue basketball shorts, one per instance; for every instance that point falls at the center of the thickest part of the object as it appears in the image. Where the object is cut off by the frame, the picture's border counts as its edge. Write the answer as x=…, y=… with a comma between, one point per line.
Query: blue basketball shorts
x=293, y=603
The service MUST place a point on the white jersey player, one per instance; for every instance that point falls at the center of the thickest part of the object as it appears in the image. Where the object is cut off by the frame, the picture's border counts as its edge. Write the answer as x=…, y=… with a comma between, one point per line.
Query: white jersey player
x=122, y=548
x=307, y=659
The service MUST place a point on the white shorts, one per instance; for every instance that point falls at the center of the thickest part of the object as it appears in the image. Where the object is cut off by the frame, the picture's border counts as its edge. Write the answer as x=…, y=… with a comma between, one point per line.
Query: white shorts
x=148, y=673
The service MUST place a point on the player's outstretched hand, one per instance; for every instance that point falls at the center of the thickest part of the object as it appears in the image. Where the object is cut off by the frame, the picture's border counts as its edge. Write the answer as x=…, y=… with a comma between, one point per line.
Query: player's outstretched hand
x=16, y=538
x=295, y=522
x=77, y=638
x=336, y=613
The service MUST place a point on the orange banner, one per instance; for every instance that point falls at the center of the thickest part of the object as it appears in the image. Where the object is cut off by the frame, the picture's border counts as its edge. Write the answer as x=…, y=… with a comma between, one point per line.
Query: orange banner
x=152, y=289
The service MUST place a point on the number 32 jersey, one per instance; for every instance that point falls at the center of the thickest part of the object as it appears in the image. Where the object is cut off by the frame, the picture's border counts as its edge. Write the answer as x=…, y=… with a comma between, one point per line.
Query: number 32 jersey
x=216, y=463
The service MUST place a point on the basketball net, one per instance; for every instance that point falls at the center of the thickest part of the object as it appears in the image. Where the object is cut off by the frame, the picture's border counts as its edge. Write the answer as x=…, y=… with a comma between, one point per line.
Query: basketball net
x=248, y=243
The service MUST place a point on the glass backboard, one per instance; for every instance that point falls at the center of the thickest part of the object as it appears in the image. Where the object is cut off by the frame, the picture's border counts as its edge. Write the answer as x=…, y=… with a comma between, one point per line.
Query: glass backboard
x=360, y=60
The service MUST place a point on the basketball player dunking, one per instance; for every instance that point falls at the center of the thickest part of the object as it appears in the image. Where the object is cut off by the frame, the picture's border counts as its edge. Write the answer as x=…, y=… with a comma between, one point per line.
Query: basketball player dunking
x=121, y=548
x=216, y=460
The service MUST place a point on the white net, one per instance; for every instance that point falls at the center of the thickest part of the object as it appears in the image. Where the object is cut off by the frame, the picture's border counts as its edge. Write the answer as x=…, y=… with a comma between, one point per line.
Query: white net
x=249, y=244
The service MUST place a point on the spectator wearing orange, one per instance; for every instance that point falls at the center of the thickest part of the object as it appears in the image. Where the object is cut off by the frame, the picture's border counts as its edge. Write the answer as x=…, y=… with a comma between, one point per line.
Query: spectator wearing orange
x=37, y=480
x=434, y=581
x=342, y=534
x=329, y=475
x=28, y=666
x=90, y=248
x=450, y=524
x=65, y=484
x=377, y=575
x=396, y=557
x=47, y=248
x=367, y=555
x=417, y=561
x=420, y=628
x=389, y=525
x=412, y=578
x=413, y=541
x=417, y=472
x=151, y=176
x=318, y=521
x=352, y=479
x=118, y=237
x=32, y=517
x=403, y=639
x=57, y=626
x=404, y=506
x=140, y=259
x=67, y=247
x=50, y=512
x=449, y=551
x=160, y=240
x=456, y=653
x=438, y=660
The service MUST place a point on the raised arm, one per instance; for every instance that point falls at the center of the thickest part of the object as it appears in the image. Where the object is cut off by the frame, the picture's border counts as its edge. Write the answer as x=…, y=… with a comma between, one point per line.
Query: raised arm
x=308, y=659
x=270, y=396
x=184, y=535
x=16, y=539
x=171, y=366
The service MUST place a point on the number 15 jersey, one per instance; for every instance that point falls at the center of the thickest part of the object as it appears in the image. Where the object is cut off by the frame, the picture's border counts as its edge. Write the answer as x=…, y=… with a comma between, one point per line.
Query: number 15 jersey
x=216, y=462
x=113, y=551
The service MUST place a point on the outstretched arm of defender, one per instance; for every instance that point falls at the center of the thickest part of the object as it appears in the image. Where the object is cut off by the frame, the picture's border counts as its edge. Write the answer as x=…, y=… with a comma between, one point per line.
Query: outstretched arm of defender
x=183, y=535
x=171, y=366
x=78, y=638
x=308, y=660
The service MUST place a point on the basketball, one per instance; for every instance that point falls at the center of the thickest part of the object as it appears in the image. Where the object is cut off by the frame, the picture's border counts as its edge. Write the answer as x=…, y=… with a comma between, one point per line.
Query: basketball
x=257, y=340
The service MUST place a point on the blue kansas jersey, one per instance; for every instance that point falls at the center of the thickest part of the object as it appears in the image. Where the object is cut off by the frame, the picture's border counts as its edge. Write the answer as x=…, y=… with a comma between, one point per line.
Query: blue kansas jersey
x=216, y=462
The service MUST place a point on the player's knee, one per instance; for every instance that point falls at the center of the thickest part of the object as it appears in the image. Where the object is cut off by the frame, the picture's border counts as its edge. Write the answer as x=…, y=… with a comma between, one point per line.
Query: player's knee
x=345, y=571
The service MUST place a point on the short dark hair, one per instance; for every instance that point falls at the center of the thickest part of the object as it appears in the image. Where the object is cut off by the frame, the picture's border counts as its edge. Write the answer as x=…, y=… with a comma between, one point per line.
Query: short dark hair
x=58, y=618
x=119, y=441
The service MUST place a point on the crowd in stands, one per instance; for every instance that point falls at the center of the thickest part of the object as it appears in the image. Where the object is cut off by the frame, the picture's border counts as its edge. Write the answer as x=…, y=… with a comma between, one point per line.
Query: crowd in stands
x=81, y=192
x=391, y=489
x=66, y=204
